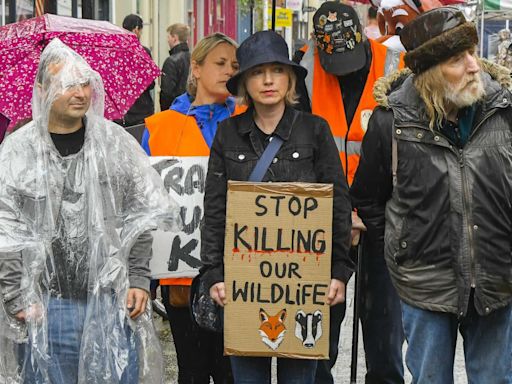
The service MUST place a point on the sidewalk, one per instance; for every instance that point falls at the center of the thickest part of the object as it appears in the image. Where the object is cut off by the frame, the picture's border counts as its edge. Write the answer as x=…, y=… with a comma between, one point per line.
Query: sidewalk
x=341, y=370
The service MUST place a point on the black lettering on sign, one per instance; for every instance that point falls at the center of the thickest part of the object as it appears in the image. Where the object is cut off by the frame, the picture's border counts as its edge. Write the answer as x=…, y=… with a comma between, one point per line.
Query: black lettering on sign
x=164, y=164
x=182, y=253
x=189, y=228
x=280, y=270
x=257, y=202
x=238, y=237
x=319, y=291
x=265, y=269
x=310, y=204
x=319, y=241
x=240, y=292
x=172, y=180
x=297, y=294
x=195, y=179
x=294, y=205
x=278, y=201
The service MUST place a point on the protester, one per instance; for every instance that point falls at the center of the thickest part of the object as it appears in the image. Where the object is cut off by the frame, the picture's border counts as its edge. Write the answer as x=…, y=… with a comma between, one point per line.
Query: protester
x=143, y=106
x=187, y=129
x=266, y=82
x=436, y=161
x=371, y=30
x=176, y=67
x=342, y=72
x=77, y=200
x=504, y=55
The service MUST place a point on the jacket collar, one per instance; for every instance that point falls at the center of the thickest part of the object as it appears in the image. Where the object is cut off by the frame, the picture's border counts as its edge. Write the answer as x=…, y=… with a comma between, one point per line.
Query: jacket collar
x=181, y=47
x=283, y=129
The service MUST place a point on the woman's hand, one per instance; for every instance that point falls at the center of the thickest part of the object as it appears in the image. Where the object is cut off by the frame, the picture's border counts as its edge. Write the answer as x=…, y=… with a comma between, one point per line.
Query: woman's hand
x=218, y=293
x=336, y=294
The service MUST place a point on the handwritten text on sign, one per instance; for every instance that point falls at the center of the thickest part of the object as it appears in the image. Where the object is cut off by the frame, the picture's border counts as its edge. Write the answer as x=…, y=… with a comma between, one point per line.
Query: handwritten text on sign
x=277, y=260
x=177, y=255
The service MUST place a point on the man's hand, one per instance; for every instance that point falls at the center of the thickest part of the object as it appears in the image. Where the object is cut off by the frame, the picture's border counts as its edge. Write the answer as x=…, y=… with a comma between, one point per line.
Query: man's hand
x=336, y=293
x=136, y=302
x=21, y=316
x=218, y=293
x=34, y=313
x=357, y=227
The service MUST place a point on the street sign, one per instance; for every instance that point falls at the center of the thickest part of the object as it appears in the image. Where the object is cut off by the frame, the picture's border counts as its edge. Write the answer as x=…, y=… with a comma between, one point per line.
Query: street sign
x=284, y=17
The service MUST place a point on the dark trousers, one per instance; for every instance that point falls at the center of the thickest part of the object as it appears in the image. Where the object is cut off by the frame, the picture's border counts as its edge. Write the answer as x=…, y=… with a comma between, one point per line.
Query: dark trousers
x=323, y=369
x=199, y=352
x=381, y=320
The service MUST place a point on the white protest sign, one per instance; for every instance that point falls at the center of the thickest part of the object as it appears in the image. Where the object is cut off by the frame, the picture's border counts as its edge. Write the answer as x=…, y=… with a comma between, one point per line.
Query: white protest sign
x=178, y=254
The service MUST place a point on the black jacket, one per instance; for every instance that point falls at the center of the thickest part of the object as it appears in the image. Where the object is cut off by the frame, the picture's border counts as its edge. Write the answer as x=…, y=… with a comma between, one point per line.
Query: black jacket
x=448, y=219
x=318, y=162
x=142, y=108
x=174, y=75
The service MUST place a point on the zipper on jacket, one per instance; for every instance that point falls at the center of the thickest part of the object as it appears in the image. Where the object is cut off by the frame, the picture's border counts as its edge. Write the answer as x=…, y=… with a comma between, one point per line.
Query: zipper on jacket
x=465, y=202
x=465, y=212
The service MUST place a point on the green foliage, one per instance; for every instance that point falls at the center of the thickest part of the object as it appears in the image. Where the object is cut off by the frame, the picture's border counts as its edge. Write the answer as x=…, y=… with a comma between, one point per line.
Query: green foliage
x=245, y=9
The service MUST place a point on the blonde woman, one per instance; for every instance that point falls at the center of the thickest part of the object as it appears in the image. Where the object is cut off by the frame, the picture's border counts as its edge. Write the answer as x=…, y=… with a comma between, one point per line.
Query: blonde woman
x=187, y=129
x=266, y=82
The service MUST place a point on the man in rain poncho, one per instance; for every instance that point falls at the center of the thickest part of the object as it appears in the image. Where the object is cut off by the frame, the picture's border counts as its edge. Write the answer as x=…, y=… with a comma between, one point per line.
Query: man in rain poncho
x=77, y=200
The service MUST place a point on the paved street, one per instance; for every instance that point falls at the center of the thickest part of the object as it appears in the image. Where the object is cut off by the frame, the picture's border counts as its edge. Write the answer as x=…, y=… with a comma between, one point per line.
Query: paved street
x=342, y=367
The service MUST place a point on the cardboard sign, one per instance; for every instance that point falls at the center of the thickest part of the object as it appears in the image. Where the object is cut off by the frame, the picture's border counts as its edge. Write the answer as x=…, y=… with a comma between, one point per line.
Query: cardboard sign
x=178, y=254
x=277, y=265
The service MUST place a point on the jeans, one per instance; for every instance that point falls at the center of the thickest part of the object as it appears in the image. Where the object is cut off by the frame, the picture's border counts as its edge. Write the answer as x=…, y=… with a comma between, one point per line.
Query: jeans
x=66, y=319
x=432, y=338
x=256, y=370
x=199, y=352
x=381, y=319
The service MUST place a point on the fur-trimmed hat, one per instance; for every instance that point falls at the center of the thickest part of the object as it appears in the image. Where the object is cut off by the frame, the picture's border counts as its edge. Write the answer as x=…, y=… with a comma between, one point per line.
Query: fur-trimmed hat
x=435, y=36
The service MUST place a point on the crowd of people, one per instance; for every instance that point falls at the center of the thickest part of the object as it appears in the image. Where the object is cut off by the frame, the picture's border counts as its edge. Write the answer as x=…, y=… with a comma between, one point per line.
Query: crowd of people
x=416, y=144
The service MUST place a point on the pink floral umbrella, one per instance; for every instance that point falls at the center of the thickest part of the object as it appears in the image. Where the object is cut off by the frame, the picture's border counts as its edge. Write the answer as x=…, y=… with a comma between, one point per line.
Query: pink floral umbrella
x=4, y=123
x=116, y=54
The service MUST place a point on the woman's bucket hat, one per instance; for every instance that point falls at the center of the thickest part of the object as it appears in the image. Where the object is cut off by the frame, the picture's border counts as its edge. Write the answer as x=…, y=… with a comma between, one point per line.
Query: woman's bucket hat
x=263, y=47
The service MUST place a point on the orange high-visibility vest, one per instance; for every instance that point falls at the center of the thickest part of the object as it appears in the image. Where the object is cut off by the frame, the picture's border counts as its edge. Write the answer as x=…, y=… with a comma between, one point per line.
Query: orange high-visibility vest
x=172, y=133
x=326, y=101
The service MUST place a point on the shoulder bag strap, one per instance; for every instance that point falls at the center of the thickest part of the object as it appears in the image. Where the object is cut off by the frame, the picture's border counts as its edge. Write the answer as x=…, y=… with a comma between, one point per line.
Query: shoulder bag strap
x=266, y=158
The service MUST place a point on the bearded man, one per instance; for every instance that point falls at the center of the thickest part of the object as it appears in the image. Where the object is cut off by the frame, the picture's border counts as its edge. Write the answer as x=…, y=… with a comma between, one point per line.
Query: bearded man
x=437, y=163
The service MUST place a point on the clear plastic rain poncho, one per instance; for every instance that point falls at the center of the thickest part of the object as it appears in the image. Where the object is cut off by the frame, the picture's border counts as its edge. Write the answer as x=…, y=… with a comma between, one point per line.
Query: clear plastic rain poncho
x=67, y=229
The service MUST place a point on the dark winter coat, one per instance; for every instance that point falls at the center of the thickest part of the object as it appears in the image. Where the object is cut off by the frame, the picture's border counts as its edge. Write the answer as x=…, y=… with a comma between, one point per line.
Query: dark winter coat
x=174, y=75
x=449, y=217
x=142, y=108
x=235, y=151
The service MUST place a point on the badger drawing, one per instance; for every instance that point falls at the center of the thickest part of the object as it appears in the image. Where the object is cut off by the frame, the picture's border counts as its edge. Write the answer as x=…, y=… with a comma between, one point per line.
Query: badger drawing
x=308, y=327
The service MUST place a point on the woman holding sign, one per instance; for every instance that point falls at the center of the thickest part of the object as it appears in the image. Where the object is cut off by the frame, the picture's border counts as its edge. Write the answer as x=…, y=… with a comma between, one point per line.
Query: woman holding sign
x=187, y=129
x=308, y=153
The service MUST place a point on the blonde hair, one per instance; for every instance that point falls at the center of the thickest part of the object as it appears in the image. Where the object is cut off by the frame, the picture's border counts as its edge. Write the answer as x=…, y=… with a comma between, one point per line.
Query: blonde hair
x=431, y=88
x=201, y=51
x=290, y=98
x=180, y=30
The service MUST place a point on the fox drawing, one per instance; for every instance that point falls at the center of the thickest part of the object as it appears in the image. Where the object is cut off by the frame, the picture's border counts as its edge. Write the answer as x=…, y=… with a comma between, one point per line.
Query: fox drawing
x=272, y=328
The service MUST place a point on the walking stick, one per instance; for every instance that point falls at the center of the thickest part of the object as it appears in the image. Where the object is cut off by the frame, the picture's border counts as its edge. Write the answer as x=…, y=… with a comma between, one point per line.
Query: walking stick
x=357, y=303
